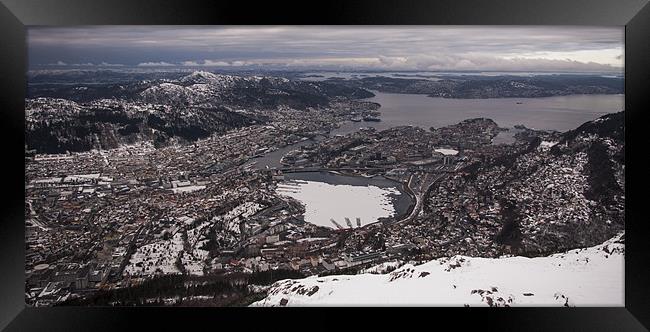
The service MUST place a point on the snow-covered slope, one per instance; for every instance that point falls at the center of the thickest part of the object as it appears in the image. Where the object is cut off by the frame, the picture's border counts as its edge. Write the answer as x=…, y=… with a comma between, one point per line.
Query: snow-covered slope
x=582, y=277
x=198, y=87
x=207, y=77
x=166, y=92
x=203, y=87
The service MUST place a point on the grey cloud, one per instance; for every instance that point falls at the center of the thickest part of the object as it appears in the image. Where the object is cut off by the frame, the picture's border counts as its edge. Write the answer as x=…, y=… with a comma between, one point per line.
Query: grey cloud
x=106, y=64
x=411, y=47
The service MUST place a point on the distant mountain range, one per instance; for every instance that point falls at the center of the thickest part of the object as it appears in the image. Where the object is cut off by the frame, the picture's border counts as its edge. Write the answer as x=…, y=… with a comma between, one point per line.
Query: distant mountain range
x=113, y=108
x=493, y=86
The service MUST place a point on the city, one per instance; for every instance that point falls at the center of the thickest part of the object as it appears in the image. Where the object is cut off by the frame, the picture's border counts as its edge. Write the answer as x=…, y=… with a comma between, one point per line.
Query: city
x=203, y=187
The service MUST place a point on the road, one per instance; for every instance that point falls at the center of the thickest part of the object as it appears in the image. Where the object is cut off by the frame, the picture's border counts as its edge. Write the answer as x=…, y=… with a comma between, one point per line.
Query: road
x=429, y=179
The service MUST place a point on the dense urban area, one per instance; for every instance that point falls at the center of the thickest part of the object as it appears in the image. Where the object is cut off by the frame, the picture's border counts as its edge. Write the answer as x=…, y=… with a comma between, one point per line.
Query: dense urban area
x=153, y=191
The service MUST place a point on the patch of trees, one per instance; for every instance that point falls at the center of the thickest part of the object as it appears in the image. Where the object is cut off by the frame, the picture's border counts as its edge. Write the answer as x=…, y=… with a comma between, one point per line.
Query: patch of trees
x=472, y=170
x=271, y=276
x=510, y=233
x=117, y=116
x=600, y=174
x=169, y=286
x=128, y=130
x=201, y=124
x=508, y=160
x=49, y=139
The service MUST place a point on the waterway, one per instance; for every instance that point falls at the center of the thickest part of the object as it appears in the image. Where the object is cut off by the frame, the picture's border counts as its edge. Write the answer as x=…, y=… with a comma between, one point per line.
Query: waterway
x=272, y=159
x=331, y=196
x=560, y=113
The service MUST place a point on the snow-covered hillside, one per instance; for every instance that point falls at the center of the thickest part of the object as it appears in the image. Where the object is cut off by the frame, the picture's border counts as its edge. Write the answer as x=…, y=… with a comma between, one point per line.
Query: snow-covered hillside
x=581, y=277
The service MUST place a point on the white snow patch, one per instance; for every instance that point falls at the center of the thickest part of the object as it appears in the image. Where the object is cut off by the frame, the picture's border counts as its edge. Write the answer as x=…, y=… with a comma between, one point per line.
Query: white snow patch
x=156, y=258
x=324, y=201
x=187, y=189
x=582, y=277
x=232, y=218
x=547, y=144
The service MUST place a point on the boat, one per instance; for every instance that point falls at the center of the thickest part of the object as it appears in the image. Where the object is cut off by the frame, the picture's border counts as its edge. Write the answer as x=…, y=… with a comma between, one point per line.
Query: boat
x=356, y=119
x=371, y=118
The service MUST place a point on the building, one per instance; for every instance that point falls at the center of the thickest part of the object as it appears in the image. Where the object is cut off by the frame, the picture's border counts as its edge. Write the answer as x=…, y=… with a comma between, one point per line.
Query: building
x=362, y=257
x=272, y=238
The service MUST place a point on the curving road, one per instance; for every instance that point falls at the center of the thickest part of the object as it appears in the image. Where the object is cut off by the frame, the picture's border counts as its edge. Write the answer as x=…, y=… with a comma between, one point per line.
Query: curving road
x=419, y=194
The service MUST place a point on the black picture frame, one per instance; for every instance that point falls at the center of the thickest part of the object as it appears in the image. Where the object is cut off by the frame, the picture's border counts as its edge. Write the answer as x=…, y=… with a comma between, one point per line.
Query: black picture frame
x=16, y=14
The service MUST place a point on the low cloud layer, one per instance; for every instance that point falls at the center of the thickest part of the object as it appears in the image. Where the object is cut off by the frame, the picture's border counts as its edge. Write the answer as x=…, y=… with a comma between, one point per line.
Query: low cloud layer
x=155, y=64
x=507, y=48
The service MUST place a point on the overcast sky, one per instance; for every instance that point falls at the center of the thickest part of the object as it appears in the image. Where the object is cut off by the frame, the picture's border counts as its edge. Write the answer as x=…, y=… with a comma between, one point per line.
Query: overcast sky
x=446, y=48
